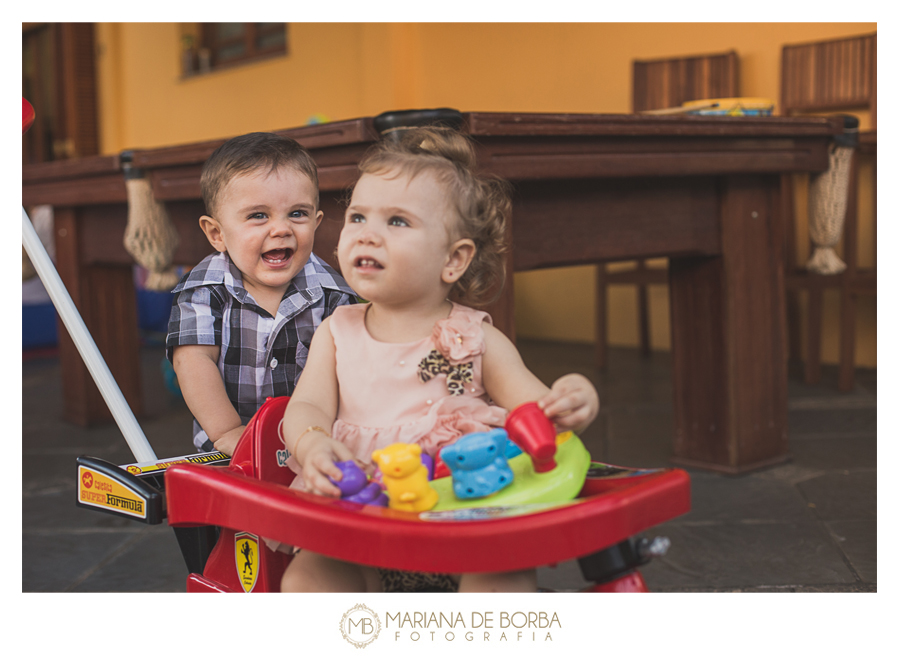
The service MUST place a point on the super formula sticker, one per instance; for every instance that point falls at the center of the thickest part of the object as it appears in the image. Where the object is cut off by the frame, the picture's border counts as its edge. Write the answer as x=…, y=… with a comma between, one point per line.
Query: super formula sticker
x=98, y=490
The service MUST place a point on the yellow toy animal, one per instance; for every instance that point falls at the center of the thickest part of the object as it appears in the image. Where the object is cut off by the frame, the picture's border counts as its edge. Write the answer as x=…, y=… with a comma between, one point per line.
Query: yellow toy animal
x=405, y=477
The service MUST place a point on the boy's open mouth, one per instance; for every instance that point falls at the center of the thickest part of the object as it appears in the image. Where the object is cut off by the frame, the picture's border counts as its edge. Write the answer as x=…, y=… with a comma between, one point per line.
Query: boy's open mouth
x=277, y=256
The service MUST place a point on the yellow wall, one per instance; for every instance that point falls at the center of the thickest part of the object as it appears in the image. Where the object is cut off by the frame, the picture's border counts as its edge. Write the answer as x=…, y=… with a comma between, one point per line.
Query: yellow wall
x=344, y=70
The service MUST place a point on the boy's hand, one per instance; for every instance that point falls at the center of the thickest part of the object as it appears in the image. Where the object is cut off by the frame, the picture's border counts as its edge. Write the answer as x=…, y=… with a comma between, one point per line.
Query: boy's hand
x=318, y=466
x=572, y=403
x=228, y=441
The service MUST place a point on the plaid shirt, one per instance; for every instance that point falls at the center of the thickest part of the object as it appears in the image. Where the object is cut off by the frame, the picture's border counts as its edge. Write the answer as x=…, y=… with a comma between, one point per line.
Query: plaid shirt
x=261, y=356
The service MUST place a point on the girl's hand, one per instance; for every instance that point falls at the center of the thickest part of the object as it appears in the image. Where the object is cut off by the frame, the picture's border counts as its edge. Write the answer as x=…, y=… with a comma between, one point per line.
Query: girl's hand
x=572, y=403
x=318, y=466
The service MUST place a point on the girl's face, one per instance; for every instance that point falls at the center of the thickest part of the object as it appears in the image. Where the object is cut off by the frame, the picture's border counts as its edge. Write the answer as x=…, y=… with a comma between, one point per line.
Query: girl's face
x=396, y=247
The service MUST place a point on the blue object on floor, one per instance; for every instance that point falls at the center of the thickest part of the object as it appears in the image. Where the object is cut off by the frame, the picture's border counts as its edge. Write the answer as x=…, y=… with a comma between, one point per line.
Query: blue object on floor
x=153, y=310
x=39, y=320
x=38, y=325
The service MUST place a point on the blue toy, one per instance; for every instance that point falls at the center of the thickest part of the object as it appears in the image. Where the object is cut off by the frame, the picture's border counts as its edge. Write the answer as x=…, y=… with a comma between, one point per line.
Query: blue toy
x=478, y=463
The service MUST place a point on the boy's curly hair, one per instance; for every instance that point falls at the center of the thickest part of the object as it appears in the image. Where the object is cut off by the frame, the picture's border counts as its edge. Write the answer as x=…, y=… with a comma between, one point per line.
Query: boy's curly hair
x=482, y=202
x=246, y=153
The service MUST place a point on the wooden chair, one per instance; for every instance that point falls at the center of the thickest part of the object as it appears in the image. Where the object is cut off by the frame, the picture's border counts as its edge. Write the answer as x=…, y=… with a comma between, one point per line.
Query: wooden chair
x=660, y=84
x=827, y=76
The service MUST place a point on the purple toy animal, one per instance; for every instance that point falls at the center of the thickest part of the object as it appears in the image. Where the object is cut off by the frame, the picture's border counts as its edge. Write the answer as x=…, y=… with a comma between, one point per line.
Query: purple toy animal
x=356, y=488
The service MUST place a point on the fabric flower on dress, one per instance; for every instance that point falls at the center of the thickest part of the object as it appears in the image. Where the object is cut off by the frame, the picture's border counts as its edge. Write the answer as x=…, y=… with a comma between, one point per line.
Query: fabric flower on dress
x=458, y=338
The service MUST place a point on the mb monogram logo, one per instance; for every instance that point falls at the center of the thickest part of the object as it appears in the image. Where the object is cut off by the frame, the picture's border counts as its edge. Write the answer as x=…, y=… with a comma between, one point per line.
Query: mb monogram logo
x=360, y=626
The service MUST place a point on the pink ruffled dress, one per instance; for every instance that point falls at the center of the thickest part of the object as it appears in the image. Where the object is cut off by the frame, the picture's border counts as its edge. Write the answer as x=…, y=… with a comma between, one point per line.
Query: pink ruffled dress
x=427, y=392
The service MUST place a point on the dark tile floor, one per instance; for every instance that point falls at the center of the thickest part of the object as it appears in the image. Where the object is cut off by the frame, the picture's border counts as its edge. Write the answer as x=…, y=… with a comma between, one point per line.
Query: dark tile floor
x=808, y=525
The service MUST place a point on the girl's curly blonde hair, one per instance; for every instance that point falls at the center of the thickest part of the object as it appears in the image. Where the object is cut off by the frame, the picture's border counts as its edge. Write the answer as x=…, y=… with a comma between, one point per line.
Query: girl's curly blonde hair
x=483, y=203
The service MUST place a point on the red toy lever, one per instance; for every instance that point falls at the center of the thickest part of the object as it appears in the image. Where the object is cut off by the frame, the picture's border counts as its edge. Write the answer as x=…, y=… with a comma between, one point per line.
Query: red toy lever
x=529, y=428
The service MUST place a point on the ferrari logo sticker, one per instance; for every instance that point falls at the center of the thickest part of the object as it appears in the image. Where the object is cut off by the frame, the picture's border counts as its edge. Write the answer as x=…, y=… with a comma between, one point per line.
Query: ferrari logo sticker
x=246, y=559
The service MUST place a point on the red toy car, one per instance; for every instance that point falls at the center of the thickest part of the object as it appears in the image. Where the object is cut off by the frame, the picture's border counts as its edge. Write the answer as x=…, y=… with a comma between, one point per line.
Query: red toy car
x=222, y=513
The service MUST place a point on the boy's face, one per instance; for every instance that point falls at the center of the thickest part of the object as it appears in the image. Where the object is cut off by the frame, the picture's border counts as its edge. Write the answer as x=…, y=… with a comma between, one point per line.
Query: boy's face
x=266, y=221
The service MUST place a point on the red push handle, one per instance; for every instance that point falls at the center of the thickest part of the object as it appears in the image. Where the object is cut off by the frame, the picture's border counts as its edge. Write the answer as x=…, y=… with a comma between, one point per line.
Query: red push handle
x=27, y=115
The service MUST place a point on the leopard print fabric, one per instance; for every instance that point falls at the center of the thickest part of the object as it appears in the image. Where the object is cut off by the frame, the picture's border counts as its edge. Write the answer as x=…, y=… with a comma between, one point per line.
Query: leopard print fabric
x=416, y=581
x=457, y=376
